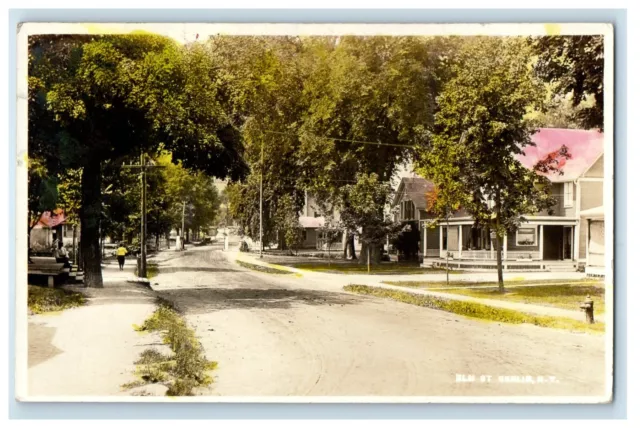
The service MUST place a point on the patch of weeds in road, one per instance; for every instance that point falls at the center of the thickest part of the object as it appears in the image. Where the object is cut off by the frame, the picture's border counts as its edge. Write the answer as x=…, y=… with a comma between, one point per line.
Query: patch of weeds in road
x=264, y=269
x=183, y=371
x=43, y=299
x=477, y=310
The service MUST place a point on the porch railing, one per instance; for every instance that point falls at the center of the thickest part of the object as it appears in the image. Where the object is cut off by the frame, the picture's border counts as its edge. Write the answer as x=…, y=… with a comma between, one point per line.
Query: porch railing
x=491, y=255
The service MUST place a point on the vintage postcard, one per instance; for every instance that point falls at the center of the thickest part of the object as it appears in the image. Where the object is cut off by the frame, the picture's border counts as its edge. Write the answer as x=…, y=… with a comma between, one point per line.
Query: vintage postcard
x=315, y=213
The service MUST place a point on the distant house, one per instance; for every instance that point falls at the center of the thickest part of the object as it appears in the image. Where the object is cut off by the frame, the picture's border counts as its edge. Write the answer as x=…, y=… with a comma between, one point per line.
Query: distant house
x=410, y=205
x=313, y=223
x=555, y=239
x=49, y=229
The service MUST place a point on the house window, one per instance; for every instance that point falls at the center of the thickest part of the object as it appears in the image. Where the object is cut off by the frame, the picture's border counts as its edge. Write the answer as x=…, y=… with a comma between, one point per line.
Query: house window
x=526, y=236
x=408, y=210
x=568, y=195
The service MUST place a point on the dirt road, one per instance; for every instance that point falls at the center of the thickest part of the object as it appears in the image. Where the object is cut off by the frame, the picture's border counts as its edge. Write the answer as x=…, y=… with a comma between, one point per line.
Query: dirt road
x=281, y=335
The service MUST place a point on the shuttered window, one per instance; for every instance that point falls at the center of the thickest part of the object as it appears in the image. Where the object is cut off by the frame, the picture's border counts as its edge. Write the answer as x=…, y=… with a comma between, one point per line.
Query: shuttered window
x=568, y=195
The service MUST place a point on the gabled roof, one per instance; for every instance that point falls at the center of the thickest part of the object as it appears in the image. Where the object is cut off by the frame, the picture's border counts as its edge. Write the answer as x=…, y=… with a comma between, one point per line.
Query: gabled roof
x=593, y=213
x=585, y=147
x=51, y=220
x=416, y=189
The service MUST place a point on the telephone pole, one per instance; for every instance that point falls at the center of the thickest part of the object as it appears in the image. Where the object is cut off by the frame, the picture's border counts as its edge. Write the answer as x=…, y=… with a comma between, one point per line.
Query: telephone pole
x=261, y=173
x=143, y=166
x=184, y=205
x=143, y=221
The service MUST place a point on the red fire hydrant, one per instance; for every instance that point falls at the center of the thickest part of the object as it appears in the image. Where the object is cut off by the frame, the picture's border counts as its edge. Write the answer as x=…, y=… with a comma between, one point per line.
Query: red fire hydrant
x=587, y=307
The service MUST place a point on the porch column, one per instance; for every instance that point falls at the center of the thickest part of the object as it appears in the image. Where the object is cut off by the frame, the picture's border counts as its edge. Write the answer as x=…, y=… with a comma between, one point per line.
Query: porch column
x=504, y=246
x=588, y=239
x=460, y=241
x=424, y=249
x=440, y=238
x=541, y=241
x=573, y=247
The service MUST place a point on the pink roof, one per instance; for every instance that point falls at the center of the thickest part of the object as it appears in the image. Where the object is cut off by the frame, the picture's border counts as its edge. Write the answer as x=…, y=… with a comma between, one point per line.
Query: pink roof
x=51, y=220
x=585, y=147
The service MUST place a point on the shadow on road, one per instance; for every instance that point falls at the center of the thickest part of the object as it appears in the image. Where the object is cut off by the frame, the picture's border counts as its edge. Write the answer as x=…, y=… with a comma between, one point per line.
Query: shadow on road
x=196, y=301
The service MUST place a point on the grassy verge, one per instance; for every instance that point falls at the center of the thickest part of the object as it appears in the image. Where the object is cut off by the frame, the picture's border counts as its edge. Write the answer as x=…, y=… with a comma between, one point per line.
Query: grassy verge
x=152, y=270
x=43, y=299
x=565, y=296
x=476, y=310
x=187, y=368
x=381, y=269
x=513, y=282
x=264, y=269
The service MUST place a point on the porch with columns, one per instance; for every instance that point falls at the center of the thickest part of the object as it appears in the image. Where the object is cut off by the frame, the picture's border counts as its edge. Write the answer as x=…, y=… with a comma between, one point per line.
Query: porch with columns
x=537, y=240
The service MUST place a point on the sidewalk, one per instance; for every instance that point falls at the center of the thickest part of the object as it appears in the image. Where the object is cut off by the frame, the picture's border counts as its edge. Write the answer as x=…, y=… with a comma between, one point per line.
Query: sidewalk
x=90, y=350
x=337, y=281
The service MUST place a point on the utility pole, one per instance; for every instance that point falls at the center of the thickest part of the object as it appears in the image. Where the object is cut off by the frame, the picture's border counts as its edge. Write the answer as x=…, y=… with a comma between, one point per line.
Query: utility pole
x=144, y=165
x=143, y=221
x=261, y=173
x=184, y=206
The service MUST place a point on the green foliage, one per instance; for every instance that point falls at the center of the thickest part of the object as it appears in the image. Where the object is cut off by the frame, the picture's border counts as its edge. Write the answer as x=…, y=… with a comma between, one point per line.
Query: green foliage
x=407, y=241
x=575, y=64
x=477, y=310
x=41, y=299
x=481, y=126
x=157, y=92
x=362, y=209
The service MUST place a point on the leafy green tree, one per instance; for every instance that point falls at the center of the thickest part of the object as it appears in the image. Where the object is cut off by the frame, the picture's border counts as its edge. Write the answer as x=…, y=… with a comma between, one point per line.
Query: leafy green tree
x=576, y=65
x=103, y=98
x=361, y=214
x=480, y=127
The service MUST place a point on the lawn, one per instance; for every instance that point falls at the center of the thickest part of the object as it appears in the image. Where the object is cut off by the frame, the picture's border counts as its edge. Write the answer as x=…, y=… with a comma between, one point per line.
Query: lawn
x=443, y=284
x=381, y=269
x=477, y=310
x=42, y=299
x=565, y=296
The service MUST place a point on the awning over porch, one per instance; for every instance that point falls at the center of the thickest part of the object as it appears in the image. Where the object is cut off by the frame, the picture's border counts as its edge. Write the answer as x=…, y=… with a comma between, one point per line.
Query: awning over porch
x=596, y=213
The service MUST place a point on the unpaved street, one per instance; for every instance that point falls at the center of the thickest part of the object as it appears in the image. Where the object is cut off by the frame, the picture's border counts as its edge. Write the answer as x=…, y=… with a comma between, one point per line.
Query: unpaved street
x=284, y=335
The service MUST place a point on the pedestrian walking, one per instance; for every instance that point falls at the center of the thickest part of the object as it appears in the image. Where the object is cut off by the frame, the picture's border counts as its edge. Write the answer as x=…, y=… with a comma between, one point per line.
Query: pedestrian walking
x=120, y=253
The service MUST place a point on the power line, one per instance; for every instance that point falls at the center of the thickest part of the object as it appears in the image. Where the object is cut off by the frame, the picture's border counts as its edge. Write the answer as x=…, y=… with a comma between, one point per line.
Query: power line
x=345, y=140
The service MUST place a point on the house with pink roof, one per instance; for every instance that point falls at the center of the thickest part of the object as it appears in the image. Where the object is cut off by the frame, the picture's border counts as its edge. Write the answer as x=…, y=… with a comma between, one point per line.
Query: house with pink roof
x=555, y=240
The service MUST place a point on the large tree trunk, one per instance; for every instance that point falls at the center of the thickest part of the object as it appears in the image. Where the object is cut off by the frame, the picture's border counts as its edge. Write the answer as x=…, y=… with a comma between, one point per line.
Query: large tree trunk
x=90, y=212
x=499, y=241
x=369, y=253
x=345, y=241
x=499, y=260
x=351, y=244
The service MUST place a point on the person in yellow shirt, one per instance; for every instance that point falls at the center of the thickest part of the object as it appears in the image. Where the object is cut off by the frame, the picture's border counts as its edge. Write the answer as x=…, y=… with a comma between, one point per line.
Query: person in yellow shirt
x=120, y=253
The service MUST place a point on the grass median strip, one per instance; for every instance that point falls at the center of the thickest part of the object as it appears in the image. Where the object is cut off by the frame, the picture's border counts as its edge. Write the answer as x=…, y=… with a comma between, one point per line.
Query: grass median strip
x=381, y=269
x=43, y=299
x=565, y=296
x=183, y=371
x=477, y=310
x=517, y=282
x=264, y=269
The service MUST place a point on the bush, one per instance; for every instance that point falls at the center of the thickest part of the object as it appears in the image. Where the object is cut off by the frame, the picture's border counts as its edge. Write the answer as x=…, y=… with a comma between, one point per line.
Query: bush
x=408, y=242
